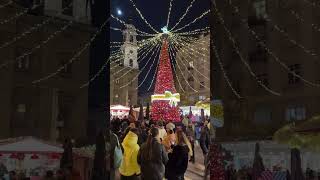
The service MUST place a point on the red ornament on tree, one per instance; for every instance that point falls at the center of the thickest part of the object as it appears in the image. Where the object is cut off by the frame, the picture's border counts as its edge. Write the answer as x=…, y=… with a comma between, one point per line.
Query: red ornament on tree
x=216, y=166
x=162, y=109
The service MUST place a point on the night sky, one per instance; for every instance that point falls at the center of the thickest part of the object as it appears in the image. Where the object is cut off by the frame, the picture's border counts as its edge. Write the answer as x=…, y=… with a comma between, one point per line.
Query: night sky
x=156, y=13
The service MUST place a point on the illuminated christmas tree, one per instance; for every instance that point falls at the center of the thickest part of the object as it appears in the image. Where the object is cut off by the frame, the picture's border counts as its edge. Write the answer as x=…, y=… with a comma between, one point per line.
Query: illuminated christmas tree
x=165, y=98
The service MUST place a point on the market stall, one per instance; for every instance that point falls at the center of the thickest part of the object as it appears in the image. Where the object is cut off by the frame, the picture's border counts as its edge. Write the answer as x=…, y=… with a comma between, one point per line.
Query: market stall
x=119, y=111
x=29, y=155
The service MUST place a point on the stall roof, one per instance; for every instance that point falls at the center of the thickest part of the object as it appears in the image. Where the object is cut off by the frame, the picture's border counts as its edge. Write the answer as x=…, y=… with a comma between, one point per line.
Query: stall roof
x=119, y=107
x=29, y=145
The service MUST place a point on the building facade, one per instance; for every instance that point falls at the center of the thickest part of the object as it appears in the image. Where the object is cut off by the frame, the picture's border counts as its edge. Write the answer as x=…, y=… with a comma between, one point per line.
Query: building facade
x=260, y=113
x=193, y=72
x=124, y=71
x=55, y=107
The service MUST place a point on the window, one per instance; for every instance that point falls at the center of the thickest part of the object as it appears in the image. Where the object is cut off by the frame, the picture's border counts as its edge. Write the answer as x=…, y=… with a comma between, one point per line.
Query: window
x=131, y=39
x=131, y=63
x=262, y=115
x=117, y=81
x=67, y=68
x=295, y=113
x=263, y=78
x=23, y=64
x=202, y=98
x=191, y=66
x=131, y=52
x=296, y=68
x=260, y=9
x=67, y=7
x=202, y=84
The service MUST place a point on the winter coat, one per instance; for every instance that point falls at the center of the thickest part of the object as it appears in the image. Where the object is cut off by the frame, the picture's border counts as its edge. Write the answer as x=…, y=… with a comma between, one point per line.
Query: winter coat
x=153, y=169
x=205, y=139
x=129, y=165
x=169, y=140
x=178, y=162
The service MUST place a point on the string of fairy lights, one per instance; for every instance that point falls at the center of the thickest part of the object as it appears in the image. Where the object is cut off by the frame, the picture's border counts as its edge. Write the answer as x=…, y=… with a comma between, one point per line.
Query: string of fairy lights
x=169, y=13
x=137, y=76
x=6, y=4
x=179, y=60
x=172, y=57
x=230, y=36
x=144, y=55
x=185, y=51
x=195, y=47
x=75, y=57
x=42, y=43
x=184, y=15
x=31, y=29
x=269, y=51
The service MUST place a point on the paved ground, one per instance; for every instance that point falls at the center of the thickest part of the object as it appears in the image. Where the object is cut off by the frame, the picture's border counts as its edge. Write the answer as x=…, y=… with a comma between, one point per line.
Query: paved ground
x=196, y=171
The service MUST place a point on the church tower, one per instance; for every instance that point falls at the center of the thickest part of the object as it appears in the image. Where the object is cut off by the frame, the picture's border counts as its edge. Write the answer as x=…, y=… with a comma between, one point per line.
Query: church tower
x=130, y=47
x=124, y=88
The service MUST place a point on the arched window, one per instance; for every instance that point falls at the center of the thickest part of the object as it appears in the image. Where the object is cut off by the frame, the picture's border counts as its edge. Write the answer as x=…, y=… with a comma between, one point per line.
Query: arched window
x=131, y=63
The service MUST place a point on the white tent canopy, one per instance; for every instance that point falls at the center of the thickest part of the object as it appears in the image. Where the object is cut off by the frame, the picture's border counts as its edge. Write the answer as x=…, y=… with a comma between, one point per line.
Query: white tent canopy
x=30, y=145
x=119, y=107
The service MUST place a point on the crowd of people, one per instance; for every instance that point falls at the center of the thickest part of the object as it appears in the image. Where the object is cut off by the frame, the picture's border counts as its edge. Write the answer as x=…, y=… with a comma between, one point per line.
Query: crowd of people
x=154, y=150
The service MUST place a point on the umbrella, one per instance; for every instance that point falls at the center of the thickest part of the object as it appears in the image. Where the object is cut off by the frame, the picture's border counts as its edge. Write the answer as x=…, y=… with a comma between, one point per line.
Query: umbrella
x=141, y=117
x=296, y=170
x=148, y=111
x=66, y=161
x=258, y=166
x=99, y=166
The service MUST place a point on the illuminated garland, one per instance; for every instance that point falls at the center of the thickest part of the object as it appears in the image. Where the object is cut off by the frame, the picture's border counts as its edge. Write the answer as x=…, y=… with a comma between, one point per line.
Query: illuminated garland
x=299, y=17
x=197, y=80
x=186, y=51
x=32, y=29
x=254, y=34
x=195, y=32
x=142, y=17
x=242, y=59
x=74, y=58
x=16, y=16
x=145, y=77
x=168, y=19
x=140, y=71
x=124, y=23
x=195, y=20
x=36, y=47
x=6, y=4
x=144, y=54
x=172, y=56
x=215, y=52
x=184, y=76
x=182, y=17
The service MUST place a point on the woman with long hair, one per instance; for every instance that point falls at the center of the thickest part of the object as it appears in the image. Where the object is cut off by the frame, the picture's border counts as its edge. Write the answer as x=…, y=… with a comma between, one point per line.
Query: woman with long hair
x=179, y=157
x=152, y=157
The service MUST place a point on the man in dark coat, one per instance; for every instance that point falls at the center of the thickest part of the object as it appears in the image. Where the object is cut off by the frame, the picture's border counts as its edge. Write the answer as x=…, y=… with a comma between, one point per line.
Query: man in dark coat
x=205, y=139
x=153, y=169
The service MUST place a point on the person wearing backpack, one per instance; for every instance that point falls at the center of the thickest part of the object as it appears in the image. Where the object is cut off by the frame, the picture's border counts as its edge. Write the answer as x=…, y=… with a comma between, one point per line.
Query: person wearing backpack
x=116, y=155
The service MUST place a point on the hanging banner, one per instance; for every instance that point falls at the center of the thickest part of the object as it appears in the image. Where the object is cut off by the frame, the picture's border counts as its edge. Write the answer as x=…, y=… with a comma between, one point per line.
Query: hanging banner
x=216, y=112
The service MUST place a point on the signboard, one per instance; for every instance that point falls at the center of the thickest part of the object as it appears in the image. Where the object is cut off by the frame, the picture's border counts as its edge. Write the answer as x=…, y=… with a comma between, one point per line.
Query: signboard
x=217, y=116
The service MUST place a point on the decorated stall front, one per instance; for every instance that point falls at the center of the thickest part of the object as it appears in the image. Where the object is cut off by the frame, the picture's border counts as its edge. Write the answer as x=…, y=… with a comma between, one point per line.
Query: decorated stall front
x=29, y=155
x=119, y=111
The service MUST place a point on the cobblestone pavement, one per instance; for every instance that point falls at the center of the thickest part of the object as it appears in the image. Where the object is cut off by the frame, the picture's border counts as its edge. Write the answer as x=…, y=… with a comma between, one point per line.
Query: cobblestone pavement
x=196, y=171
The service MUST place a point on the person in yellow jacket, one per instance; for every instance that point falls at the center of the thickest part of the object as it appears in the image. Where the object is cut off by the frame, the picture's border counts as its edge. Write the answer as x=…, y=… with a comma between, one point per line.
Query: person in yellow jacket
x=130, y=169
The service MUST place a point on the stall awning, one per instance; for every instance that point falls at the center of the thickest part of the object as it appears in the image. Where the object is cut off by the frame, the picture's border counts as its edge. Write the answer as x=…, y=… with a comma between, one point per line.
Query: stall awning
x=29, y=145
